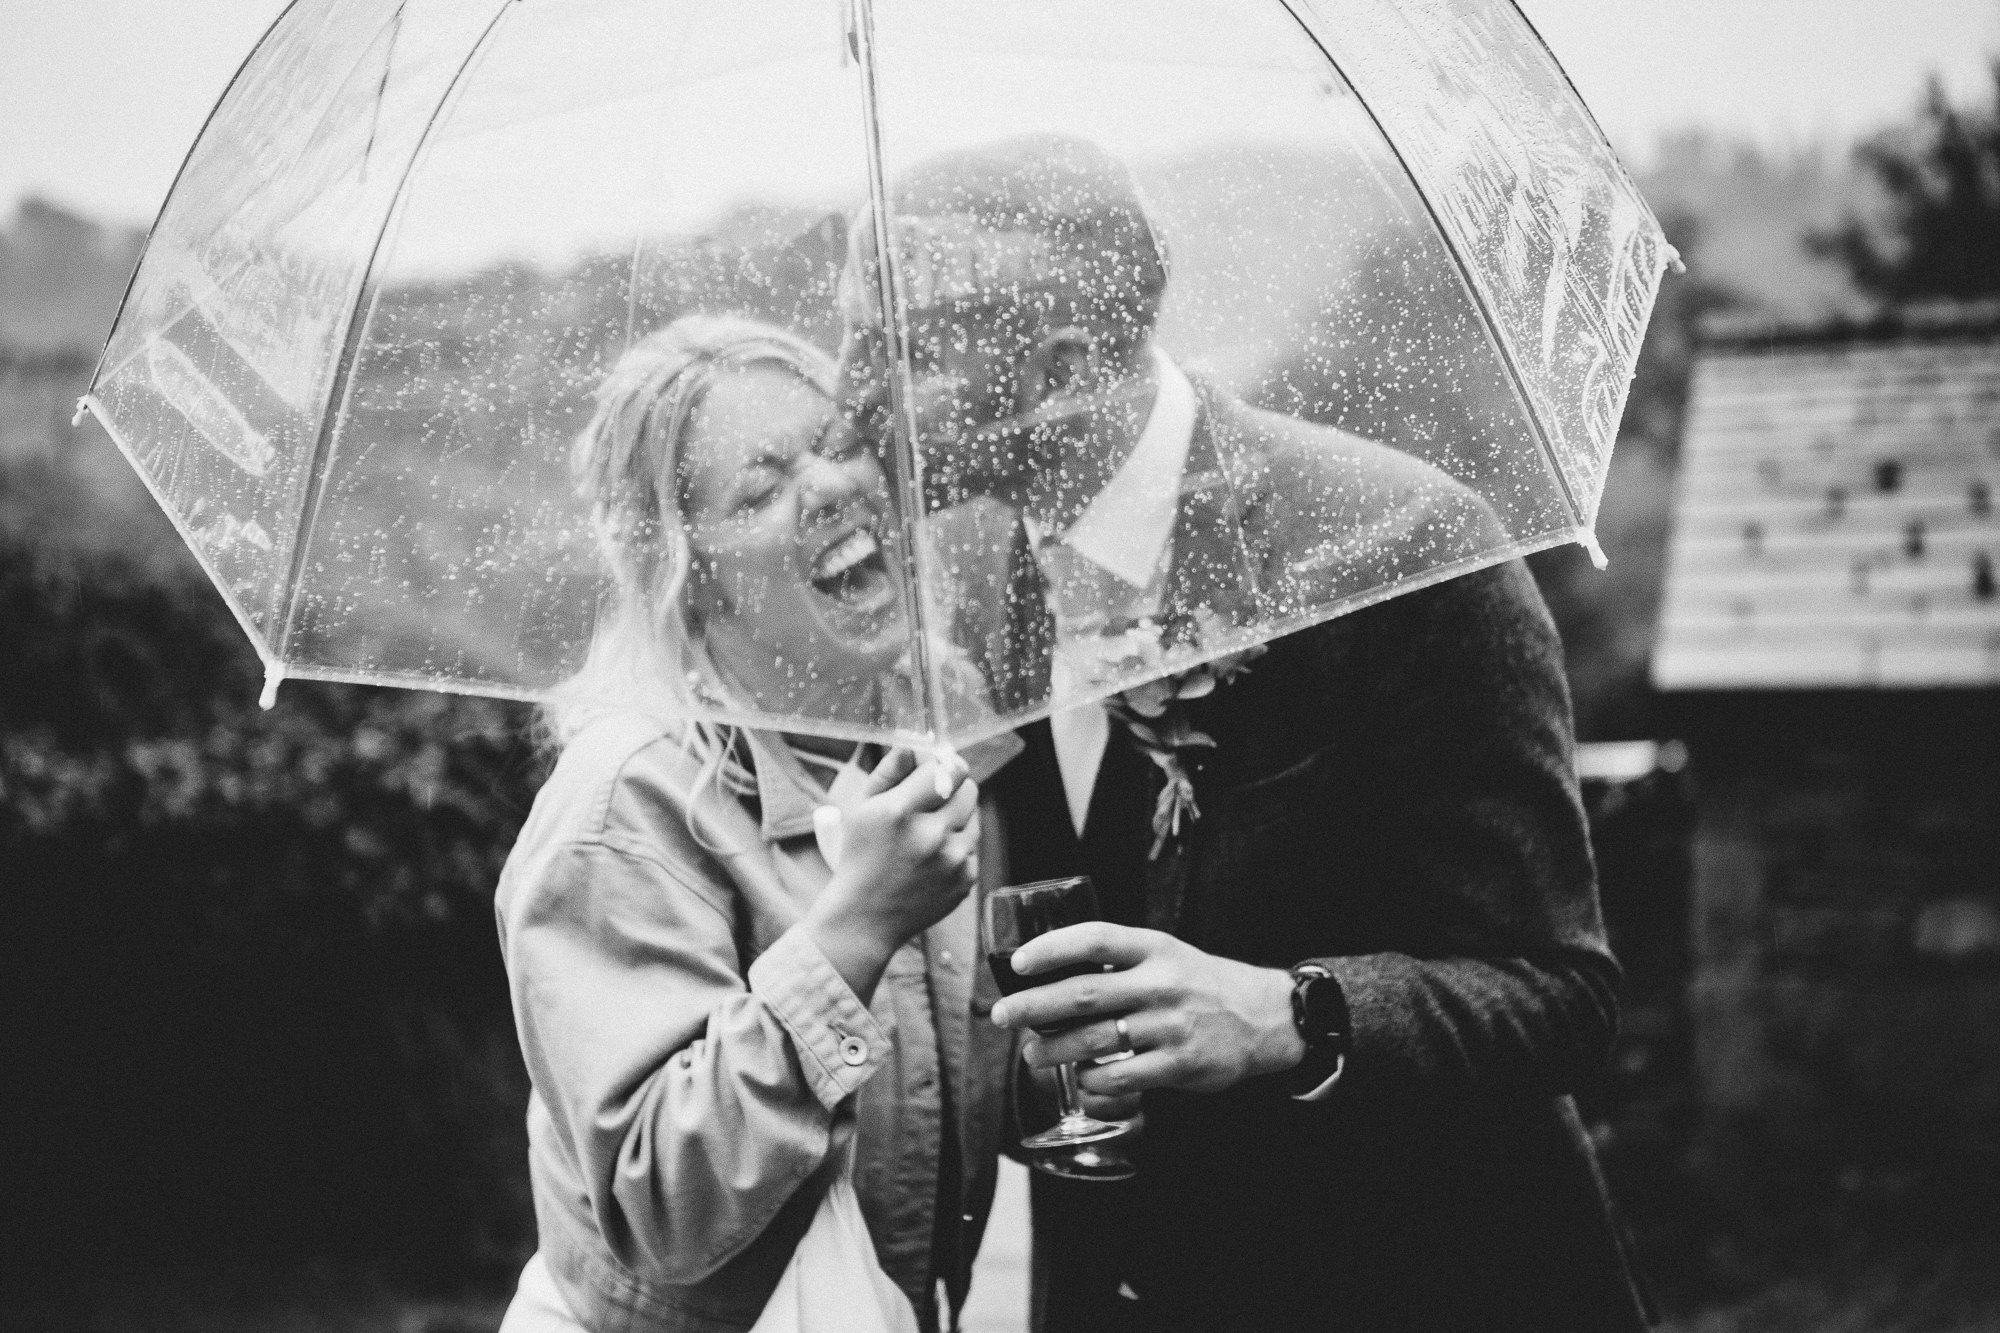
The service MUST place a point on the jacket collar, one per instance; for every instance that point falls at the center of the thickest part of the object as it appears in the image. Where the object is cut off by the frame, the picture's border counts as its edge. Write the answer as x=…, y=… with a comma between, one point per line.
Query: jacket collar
x=786, y=792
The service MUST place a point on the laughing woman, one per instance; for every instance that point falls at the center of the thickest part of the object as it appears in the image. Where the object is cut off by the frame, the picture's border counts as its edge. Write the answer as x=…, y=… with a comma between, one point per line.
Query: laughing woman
x=710, y=1014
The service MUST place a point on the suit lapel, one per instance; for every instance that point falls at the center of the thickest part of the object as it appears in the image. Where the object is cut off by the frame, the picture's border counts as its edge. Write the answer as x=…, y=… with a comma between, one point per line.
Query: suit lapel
x=1211, y=583
x=1212, y=588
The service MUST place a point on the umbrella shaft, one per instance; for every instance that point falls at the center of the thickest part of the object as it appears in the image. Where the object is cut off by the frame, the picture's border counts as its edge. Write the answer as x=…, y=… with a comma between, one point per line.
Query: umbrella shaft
x=909, y=475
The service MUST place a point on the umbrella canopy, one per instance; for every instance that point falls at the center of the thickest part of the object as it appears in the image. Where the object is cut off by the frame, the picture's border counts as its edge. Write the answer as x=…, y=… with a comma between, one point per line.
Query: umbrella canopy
x=897, y=369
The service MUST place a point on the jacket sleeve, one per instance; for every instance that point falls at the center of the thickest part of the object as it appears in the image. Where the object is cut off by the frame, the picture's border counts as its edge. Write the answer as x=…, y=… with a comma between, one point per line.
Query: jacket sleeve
x=1506, y=978
x=695, y=1100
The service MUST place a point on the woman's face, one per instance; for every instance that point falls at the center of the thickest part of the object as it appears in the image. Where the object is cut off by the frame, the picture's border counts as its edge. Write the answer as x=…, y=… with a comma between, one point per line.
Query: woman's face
x=789, y=530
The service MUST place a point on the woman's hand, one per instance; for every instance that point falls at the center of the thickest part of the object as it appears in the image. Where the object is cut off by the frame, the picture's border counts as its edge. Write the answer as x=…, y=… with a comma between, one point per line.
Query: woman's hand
x=908, y=857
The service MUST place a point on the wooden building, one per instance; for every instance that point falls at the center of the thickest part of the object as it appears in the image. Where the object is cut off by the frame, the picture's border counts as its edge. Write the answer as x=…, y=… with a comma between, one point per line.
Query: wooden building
x=1829, y=647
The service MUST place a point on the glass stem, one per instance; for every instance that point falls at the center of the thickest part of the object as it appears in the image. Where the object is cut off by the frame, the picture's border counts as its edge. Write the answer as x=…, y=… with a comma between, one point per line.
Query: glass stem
x=1071, y=1097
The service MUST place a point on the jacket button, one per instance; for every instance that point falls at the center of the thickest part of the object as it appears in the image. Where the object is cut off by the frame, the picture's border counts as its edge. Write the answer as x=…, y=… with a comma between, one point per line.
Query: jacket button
x=854, y=1050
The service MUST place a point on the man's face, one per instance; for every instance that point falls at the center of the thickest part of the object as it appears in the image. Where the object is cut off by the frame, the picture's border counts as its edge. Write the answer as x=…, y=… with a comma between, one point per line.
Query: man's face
x=966, y=368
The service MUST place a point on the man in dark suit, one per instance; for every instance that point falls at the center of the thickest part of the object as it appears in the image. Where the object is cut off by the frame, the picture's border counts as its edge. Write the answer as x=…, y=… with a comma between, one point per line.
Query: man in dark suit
x=1355, y=991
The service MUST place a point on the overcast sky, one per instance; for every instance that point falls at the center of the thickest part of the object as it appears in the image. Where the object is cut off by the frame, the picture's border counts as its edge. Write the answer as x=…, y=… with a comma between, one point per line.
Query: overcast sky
x=99, y=98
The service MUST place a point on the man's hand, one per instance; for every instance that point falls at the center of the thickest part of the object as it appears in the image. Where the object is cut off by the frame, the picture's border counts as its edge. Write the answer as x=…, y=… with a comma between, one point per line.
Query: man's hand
x=1197, y=1022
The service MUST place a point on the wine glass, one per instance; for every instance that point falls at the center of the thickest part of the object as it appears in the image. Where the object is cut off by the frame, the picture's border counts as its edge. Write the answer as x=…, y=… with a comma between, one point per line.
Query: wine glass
x=1015, y=915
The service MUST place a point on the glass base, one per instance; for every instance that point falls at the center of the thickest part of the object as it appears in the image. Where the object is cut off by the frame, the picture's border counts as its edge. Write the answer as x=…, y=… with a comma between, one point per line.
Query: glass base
x=1072, y=1133
x=1084, y=1163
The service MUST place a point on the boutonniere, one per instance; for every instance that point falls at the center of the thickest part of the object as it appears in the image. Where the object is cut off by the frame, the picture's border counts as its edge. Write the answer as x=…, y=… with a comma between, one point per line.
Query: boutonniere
x=1156, y=715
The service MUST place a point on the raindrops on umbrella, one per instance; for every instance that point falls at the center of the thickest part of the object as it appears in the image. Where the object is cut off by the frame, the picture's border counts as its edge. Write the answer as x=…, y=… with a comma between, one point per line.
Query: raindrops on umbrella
x=894, y=369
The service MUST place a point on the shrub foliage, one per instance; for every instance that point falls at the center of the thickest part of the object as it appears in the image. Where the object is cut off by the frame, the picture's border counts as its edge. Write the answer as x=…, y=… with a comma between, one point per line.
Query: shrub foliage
x=249, y=968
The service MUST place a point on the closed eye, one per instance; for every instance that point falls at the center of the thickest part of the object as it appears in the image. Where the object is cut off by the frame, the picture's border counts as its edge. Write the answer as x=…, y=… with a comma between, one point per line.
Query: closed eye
x=758, y=486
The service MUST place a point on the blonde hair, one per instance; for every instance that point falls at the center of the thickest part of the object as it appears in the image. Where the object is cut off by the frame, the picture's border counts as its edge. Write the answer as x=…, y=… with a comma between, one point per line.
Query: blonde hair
x=645, y=656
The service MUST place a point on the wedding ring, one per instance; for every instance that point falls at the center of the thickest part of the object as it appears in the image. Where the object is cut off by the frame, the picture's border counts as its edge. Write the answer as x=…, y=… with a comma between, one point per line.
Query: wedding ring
x=1124, y=1051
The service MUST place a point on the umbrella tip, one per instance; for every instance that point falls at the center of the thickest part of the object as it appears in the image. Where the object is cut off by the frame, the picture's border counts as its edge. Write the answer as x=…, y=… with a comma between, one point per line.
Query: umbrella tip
x=950, y=768
x=274, y=673
x=1674, y=260
x=82, y=410
x=1588, y=541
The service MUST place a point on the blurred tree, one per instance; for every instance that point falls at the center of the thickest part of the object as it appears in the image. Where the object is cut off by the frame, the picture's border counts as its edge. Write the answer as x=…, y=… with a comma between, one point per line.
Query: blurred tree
x=1752, y=202
x=1940, y=234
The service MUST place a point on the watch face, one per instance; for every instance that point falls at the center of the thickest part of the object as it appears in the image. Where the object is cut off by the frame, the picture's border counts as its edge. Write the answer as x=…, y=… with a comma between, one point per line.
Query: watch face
x=1319, y=1008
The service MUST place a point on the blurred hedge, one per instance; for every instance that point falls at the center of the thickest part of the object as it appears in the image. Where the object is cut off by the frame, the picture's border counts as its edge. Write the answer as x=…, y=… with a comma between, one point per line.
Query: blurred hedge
x=251, y=996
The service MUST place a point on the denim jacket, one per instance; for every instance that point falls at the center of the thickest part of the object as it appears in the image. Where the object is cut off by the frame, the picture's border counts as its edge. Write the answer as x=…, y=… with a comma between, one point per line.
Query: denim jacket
x=698, y=1066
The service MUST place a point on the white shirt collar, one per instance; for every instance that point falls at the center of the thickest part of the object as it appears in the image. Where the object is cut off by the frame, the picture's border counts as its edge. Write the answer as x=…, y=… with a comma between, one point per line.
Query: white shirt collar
x=1125, y=527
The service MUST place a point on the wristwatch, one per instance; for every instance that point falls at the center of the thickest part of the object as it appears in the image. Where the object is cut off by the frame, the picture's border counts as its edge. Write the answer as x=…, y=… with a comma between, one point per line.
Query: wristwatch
x=1319, y=1011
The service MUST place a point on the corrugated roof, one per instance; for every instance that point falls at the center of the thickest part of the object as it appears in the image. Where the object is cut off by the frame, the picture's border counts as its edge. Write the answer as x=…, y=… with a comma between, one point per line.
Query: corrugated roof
x=1837, y=522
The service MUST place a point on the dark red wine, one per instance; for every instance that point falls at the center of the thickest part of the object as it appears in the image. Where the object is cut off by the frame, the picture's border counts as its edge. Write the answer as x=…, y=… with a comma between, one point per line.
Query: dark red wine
x=1012, y=982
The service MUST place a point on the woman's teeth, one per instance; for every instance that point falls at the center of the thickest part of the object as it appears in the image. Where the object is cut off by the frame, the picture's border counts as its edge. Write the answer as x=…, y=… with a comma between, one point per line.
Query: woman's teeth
x=845, y=554
x=839, y=568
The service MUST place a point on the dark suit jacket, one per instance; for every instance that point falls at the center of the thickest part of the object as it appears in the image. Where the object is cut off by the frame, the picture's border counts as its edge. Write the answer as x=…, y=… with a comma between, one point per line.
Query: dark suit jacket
x=1392, y=792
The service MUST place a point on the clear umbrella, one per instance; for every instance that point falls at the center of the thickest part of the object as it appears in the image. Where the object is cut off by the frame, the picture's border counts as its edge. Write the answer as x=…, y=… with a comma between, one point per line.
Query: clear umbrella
x=899, y=370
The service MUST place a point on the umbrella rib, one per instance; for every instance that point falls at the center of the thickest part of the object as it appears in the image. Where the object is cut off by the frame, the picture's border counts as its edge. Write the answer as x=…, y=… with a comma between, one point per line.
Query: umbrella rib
x=104, y=369
x=341, y=391
x=382, y=88
x=158, y=491
x=1617, y=162
x=180, y=171
x=1472, y=286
